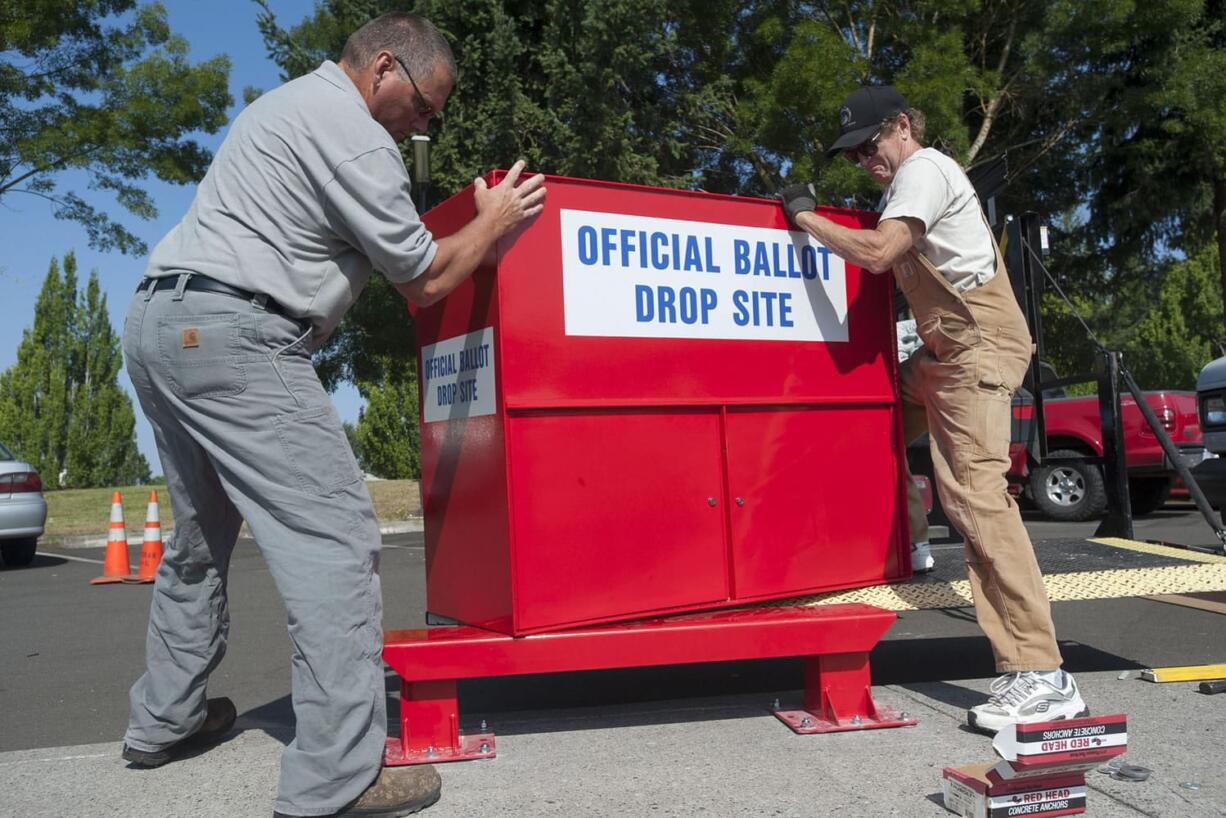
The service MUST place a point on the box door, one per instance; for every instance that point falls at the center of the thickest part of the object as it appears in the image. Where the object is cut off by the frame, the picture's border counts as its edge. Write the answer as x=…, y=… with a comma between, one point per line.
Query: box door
x=616, y=513
x=815, y=499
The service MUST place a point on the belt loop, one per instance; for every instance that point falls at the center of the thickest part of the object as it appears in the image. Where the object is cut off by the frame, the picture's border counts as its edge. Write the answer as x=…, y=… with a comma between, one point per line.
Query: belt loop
x=258, y=301
x=181, y=285
x=150, y=286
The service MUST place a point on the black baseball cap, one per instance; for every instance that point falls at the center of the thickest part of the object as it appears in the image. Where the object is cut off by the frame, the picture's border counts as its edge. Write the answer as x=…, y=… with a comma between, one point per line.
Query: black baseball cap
x=862, y=114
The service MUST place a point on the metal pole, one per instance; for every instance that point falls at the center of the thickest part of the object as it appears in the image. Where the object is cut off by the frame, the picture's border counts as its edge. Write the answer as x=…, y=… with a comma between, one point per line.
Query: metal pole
x=421, y=170
x=1022, y=236
x=1117, y=522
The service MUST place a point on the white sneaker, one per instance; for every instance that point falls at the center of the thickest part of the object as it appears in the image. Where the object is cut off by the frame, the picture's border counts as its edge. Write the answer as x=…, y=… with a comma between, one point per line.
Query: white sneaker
x=921, y=558
x=1026, y=698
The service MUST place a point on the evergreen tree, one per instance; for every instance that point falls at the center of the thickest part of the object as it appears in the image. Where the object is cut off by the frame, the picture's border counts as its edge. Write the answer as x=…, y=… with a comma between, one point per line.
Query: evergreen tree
x=598, y=89
x=35, y=391
x=60, y=404
x=1108, y=109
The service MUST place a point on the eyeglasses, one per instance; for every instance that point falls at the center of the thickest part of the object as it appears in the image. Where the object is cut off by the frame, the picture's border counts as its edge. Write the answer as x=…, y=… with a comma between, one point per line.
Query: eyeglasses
x=425, y=108
x=864, y=150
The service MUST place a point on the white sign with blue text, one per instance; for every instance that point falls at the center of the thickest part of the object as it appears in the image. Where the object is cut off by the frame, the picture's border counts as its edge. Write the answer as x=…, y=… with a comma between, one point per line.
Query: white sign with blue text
x=641, y=277
x=457, y=377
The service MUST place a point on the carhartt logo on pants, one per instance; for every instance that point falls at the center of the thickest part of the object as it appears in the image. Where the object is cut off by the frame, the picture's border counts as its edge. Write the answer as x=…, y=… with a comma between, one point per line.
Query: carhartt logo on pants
x=191, y=338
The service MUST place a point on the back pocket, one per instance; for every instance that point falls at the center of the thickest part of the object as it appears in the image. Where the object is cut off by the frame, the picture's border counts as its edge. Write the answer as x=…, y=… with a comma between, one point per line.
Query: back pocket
x=201, y=355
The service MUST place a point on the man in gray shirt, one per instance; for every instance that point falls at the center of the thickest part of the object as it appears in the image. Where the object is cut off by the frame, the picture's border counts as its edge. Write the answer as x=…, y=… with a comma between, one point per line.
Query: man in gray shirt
x=307, y=196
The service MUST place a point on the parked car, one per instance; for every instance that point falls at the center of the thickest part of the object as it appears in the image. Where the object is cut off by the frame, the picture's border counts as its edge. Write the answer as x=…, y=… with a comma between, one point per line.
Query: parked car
x=1070, y=487
x=23, y=512
x=1211, y=406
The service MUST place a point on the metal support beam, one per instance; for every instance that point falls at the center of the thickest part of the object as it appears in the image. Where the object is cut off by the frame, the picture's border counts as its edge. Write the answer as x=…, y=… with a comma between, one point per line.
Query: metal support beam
x=1117, y=521
x=1026, y=276
x=834, y=639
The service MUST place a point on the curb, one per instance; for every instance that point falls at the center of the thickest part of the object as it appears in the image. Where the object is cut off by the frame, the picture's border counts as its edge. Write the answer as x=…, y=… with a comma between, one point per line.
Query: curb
x=74, y=541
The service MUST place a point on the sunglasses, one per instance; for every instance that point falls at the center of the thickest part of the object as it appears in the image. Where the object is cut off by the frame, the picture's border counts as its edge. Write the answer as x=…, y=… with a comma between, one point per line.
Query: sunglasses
x=864, y=150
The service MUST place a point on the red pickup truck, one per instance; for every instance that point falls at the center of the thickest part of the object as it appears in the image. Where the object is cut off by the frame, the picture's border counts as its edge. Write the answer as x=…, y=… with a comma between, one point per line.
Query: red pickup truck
x=1066, y=489
x=1070, y=487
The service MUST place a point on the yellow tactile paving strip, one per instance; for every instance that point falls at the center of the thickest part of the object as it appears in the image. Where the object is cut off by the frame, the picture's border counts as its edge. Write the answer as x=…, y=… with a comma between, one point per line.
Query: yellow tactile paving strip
x=1205, y=572
x=1161, y=550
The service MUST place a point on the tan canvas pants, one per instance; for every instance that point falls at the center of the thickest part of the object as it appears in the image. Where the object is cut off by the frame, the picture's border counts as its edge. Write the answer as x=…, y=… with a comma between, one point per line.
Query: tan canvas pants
x=958, y=387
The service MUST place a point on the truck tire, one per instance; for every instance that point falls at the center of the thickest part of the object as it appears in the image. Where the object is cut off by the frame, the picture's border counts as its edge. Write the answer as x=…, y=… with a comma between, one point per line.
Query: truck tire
x=18, y=553
x=1148, y=494
x=1069, y=491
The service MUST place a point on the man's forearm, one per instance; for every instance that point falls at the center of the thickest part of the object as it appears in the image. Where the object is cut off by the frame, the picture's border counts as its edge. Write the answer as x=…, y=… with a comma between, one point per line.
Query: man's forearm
x=871, y=249
x=458, y=255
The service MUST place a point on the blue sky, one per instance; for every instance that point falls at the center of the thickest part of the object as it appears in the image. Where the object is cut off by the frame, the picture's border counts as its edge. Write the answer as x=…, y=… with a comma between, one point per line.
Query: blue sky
x=30, y=236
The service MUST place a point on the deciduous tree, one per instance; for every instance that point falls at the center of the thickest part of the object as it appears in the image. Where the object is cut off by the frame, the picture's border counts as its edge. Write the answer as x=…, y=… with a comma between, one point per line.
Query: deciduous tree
x=103, y=88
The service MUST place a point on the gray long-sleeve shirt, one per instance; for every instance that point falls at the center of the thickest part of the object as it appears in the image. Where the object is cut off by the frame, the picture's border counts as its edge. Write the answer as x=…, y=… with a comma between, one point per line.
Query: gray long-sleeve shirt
x=306, y=195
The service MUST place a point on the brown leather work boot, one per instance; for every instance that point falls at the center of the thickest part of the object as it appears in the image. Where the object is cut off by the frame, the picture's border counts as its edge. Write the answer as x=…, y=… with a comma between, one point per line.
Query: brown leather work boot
x=217, y=722
x=397, y=791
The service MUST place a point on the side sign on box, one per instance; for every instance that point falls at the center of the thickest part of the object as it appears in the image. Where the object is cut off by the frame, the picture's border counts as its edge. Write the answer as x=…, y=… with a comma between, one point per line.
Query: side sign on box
x=457, y=377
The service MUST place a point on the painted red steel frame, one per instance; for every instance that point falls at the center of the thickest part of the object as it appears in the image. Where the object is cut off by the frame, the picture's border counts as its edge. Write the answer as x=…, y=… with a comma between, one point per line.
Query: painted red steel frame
x=836, y=639
x=526, y=508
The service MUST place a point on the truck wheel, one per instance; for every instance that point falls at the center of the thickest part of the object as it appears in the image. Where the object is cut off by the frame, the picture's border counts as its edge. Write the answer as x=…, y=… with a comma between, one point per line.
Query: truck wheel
x=1069, y=491
x=1148, y=494
x=18, y=553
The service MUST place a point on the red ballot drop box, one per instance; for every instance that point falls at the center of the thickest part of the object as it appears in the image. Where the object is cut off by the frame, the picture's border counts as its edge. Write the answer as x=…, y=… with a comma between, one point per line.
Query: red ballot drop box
x=651, y=402
x=655, y=401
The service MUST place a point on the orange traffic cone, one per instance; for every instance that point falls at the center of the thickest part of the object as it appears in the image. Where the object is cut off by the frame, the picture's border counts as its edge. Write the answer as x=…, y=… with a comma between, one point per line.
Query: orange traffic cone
x=115, y=565
x=151, y=549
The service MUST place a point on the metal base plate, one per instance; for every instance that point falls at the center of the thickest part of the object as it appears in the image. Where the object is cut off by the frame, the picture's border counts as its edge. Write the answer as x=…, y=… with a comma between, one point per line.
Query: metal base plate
x=805, y=723
x=473, y=746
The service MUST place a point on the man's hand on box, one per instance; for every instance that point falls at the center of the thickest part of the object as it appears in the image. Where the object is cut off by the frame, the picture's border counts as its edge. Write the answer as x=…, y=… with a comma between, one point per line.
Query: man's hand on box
x=511, y=201
x=797, y=199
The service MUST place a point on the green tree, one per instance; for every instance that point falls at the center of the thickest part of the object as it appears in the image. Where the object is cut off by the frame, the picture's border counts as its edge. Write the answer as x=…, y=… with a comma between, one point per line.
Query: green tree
x=61, y=405
x=1106, y=109
x=387, y=433
x=575, y=87
x=35, y=391
x=1167, y=329
x=101, y=87
x=1181, y=329
x=1135, y=93
x=597, y=89
x=351, y=435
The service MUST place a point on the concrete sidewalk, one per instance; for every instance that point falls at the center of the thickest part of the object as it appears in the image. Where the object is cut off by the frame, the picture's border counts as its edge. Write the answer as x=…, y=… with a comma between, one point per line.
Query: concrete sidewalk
x=721, y=756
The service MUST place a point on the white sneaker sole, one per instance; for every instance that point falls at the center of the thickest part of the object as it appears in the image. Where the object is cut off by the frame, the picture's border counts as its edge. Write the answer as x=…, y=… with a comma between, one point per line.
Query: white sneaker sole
x=993, y=725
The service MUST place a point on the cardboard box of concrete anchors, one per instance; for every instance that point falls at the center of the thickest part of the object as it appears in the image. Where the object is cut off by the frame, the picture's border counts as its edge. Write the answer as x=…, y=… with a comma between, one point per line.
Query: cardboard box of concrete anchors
x=973, y=791
x=1041, y=771
x=1055, y=747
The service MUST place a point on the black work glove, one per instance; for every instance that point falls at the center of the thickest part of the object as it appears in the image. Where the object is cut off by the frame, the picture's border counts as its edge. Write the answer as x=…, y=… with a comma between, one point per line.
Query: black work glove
x=797, y=199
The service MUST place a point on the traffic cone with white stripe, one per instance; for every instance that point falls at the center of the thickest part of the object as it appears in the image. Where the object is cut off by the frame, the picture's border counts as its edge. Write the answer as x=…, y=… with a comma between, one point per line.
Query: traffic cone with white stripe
x=151, y=549
x=115, y=565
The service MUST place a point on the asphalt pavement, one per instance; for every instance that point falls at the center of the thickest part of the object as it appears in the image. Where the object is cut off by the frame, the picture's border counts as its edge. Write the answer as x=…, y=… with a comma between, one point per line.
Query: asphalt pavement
x=686, y=740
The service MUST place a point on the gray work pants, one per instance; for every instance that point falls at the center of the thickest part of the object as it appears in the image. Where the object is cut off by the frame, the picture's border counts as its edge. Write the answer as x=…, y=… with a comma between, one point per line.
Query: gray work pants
x=246, y=432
